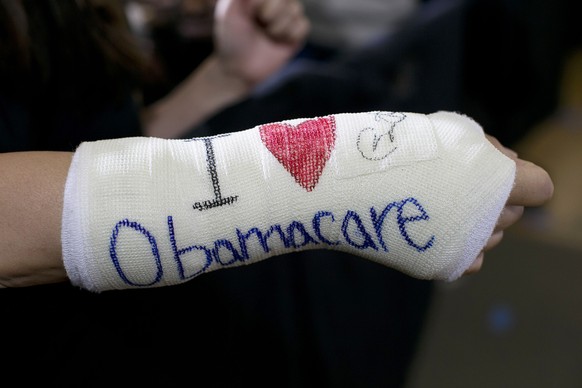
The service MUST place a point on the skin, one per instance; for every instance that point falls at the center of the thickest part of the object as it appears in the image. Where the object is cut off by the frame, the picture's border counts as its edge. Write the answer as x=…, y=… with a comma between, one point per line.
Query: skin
x=31, y=203
x=31, y=192
x=533, y=187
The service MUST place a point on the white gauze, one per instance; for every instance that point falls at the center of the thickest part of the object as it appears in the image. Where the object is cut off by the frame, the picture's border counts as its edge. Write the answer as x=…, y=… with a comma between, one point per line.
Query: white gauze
x=418, y=193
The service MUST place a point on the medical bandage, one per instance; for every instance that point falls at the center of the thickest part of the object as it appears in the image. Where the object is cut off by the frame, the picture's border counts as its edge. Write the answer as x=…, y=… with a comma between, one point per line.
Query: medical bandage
x=418, y=193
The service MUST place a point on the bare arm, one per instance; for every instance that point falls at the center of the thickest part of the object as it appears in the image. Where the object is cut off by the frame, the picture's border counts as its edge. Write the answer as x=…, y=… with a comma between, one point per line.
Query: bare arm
x=31, y=202
x=533, y=187
x=31, y=195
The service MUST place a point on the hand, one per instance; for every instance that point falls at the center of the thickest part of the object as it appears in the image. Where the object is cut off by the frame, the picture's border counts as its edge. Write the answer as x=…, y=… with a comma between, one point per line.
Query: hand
x=255, y=38
x=533, y=187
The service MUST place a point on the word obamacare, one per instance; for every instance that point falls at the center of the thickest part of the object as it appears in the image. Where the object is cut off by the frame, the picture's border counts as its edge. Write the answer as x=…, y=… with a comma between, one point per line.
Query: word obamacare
x=296, y=235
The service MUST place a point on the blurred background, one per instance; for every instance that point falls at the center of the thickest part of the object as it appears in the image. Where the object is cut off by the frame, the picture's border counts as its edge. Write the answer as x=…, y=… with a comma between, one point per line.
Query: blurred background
x=516, y=67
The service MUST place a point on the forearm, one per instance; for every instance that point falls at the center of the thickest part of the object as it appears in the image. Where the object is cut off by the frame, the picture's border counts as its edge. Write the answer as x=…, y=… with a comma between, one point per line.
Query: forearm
x=420, y=194
x=207, y=90
x=147, y=212
x=31, y=202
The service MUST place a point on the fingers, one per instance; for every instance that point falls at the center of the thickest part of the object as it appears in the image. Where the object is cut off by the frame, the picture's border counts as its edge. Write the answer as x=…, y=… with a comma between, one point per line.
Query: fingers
x=533, y=185
x=283, y=20
x=509, y=216
x=476, y=266
x=493, y=241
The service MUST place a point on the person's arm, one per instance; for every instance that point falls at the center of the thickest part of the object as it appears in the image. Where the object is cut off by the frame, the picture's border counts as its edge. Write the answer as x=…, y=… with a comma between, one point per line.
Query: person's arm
x=31, y=206
x=254, y=39
x=533, y=187
x=31, y=203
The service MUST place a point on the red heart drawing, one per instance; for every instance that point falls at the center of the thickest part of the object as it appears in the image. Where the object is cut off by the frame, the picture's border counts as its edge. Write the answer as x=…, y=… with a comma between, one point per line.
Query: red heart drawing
x=303, y=149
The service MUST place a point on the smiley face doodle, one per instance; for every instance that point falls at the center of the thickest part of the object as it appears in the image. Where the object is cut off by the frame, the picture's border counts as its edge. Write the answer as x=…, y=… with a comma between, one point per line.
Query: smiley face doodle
x=378, y=143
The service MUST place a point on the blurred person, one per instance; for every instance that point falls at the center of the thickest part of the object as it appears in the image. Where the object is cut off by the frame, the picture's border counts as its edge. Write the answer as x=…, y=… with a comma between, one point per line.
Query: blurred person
x=100, y=60
x=183, y=39
x=253, y=40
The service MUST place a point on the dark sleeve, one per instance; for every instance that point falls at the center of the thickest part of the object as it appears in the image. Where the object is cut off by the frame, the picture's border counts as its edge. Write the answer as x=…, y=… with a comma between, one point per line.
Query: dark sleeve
x=53, y=126
x=14, y=126
x=68, y=127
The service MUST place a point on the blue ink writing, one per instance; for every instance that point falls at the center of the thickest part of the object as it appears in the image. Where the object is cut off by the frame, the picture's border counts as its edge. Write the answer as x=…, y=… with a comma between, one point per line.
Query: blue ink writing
x=179, y=252
x=151, y=240
x=378, y=221
x=361, y=232
x=224, y=252
x=317, y=227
